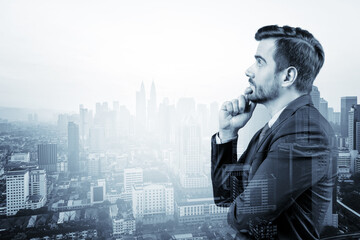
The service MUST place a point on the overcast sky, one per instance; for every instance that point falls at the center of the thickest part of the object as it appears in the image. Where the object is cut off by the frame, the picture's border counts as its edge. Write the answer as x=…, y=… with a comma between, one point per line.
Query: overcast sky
x=58, y=54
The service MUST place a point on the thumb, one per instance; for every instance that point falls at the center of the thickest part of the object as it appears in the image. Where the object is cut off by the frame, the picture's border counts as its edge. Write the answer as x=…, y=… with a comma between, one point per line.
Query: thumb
x=252, y=107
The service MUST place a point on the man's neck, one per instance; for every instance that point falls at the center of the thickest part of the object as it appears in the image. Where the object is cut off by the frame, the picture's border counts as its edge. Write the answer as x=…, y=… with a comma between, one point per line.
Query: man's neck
x=279, y=103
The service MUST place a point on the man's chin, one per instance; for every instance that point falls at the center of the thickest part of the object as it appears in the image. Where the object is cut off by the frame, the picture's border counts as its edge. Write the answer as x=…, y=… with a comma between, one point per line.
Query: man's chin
x=253, y=98
x=256, y=99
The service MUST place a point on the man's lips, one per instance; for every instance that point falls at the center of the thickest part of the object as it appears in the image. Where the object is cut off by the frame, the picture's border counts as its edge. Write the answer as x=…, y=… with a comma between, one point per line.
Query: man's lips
x=248, y=90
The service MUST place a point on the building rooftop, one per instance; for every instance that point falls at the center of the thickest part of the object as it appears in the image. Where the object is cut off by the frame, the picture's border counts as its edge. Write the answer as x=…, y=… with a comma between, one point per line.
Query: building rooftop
x=16, y=171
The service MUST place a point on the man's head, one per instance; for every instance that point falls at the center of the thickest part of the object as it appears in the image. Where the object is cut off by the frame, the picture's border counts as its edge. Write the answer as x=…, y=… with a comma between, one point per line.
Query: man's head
x=286, y=57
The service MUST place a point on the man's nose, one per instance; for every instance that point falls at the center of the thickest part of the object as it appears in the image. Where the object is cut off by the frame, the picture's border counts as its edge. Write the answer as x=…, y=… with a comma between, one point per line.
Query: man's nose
x=249, y=73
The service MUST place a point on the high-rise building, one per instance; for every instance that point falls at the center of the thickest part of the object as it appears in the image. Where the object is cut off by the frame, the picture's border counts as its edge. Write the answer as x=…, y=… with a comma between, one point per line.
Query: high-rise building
x=101, y=113
x=346, y=104
x=141, y=110
x=190, y=147
x=25, y=189
x=233, y=172
x=132, y=176
x=94, y=166
x=203, y=115
x=85, y=123
x=124, y=122
x=185, y=107
x=17, y=190
x=152, y=110
x=344, y=159
x=166, y=122
x=37, y=189
x=38, y=182
x=260, y=196
x=331, y=117
x=116, y=106
x=323, y=108
x=47, y=155
x=357, y=164
x=315, y=96
x=337, y=118
x=354, y=127
x=97, y=139
x=73, y=147
x=190, y=164
x=152, y=199
x=62, y=123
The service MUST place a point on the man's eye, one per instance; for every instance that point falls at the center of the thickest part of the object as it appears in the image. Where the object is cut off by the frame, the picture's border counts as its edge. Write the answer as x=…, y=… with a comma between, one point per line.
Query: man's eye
x=259, y=62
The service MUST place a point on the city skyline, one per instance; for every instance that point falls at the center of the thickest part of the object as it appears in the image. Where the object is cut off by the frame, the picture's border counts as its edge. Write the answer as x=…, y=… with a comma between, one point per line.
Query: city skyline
x=144, y=103
x=151, y=176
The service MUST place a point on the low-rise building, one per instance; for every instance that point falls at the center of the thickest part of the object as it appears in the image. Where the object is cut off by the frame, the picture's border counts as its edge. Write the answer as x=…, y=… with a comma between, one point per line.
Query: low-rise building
x=35, y=202
x=123, y=226
x=199, y=210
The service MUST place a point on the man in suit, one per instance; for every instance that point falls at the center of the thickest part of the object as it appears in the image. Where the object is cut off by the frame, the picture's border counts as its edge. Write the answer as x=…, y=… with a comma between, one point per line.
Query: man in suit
x=284, y=180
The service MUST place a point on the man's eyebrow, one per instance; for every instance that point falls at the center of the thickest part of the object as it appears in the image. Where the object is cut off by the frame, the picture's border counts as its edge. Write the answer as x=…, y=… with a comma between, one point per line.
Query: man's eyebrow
x=258, y=56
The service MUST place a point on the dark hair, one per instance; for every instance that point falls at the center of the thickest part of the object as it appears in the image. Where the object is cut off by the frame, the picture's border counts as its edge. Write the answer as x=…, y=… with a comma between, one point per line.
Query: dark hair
x=298, y=48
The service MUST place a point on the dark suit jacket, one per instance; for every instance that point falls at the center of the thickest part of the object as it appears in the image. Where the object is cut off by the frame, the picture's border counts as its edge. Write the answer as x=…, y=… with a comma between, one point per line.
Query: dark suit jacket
x=287, y=178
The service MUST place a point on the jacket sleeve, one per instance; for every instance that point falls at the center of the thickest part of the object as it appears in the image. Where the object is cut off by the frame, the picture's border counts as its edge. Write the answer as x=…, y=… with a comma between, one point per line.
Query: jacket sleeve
x=222, y=154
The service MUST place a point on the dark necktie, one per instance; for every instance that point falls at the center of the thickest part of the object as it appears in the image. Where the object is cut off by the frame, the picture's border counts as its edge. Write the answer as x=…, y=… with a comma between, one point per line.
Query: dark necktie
x=255, y=164
x=263, y=132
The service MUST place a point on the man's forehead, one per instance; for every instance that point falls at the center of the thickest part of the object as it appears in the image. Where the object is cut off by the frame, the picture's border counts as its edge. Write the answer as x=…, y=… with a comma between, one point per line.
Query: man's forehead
x=266, y=48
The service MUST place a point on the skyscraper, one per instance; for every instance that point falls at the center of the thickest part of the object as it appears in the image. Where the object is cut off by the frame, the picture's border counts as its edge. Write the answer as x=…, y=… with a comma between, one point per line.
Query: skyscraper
x=116, y=106
x=354, y=127
x=190, y=143
x=203, y=115
x=346, y=104
x=190, y=165
x=167, y=122
x=152, y=109
x=85, y=123
x=47, y=154
x=132, y=176
x=185, y=107
x=141, y=109
x=331, y=117
x=97, y=139
x=323, y=108
x=124, y=122
x=73, y=147
x=315, y=96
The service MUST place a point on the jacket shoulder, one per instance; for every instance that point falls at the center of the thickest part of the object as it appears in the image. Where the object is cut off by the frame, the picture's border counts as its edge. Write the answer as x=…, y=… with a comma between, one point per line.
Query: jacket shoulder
x=305, y=124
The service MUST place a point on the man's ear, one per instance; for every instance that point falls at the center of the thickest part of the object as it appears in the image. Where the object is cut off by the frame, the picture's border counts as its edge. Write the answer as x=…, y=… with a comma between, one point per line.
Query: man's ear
x=289, y=76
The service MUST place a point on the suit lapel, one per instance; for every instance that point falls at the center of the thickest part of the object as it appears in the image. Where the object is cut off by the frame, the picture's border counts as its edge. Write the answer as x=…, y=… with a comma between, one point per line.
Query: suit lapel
x=288, y=111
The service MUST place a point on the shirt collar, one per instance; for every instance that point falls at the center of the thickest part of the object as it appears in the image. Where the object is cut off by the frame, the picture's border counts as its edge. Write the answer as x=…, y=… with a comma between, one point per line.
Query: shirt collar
x=275, y=117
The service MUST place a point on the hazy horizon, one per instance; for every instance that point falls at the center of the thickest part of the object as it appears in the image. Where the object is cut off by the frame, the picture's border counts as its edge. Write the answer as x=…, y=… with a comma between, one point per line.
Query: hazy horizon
x=59, y=54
